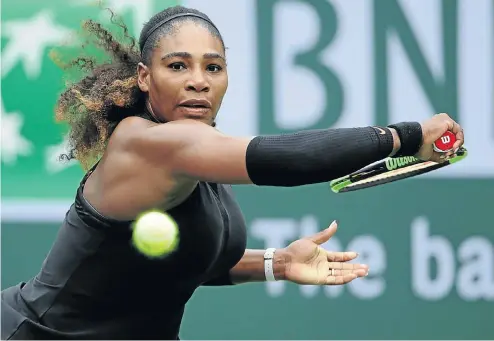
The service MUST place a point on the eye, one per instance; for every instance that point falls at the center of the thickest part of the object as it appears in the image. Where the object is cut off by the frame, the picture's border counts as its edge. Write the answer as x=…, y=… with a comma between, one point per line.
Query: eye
x=176, y=66
x=214, y=68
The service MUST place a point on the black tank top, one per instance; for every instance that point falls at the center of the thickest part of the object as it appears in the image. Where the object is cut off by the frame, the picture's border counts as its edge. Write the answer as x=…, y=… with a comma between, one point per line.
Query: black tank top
x=94, y=285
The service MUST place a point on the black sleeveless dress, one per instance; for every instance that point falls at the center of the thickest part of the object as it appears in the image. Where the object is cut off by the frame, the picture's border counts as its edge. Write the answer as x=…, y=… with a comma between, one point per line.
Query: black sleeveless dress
x=94, y=285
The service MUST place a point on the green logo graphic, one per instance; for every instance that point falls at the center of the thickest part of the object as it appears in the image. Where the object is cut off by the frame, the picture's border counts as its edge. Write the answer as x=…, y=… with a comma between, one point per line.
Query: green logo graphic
x=396, y=162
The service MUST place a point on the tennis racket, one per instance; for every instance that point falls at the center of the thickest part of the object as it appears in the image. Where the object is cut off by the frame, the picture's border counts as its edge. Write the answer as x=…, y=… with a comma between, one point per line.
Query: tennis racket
x=393, y=169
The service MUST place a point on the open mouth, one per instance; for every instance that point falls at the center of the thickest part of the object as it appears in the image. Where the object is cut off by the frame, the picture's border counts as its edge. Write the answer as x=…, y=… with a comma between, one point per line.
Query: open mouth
x=195, y=111
x=195, y=106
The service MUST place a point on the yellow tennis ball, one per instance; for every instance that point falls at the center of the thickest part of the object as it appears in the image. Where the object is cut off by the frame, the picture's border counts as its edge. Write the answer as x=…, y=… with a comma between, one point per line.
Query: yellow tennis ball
x=155, y=234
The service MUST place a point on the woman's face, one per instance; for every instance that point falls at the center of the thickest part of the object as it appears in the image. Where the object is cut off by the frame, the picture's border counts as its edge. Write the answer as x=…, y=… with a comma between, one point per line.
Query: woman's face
x=187, y=77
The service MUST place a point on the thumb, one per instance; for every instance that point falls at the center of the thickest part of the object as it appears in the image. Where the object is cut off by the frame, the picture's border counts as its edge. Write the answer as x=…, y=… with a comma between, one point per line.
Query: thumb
x=324, y=235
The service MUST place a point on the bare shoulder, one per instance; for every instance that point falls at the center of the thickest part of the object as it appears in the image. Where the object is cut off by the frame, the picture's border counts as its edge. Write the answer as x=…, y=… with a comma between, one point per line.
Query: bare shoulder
x=138, y=128
x=144, y=136
x=154, y=143
x=131, y=126
x=128, y=131
x=185, y=148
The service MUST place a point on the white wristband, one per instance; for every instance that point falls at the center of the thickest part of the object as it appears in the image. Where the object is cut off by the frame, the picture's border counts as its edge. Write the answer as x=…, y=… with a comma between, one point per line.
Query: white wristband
x=268, y=264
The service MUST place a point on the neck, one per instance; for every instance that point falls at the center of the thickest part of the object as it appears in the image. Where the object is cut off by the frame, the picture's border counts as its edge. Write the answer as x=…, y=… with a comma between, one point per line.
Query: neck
x=151, y=113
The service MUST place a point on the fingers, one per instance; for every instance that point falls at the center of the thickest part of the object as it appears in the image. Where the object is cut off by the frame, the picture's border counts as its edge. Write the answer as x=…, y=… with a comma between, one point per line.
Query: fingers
x=460, y=138
x=448, y=121
x=347, y=266
x=342, y=273
x=438, y=157
x=341, y=256
x=324, y=235
x=338, y=277
x=457, y=130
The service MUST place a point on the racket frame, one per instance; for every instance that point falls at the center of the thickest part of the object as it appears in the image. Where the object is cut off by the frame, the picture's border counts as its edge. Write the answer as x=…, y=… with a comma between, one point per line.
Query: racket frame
x=387, y=165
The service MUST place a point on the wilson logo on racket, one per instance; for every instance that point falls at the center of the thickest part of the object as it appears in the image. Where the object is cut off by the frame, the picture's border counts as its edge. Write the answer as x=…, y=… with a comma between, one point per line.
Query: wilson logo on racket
x=393, y=163
x=446, y=139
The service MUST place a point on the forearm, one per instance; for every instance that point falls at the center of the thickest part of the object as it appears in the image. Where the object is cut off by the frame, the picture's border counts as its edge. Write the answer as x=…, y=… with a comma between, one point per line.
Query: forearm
x=197, y=151
x=317, y=156
x=251, y=267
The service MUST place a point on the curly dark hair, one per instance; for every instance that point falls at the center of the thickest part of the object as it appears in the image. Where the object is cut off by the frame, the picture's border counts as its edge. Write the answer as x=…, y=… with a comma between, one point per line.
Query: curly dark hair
x=107, y=92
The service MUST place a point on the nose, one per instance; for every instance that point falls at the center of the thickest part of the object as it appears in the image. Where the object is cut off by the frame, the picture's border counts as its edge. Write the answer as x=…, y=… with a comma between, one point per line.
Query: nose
x=198, y=82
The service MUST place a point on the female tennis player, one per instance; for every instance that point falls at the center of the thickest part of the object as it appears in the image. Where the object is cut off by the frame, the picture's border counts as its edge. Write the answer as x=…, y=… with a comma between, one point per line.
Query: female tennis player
x=143, y=126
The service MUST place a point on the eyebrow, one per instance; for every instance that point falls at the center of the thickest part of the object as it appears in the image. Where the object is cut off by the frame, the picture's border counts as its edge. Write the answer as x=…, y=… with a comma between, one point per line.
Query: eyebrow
x=211, y=55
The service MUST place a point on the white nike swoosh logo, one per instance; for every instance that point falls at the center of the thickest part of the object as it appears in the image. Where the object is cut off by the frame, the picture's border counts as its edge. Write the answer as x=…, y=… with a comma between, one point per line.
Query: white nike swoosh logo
x=381, y=131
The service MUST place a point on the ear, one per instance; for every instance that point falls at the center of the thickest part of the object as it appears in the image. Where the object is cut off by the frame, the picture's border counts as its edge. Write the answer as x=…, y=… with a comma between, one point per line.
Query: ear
x=143, y=77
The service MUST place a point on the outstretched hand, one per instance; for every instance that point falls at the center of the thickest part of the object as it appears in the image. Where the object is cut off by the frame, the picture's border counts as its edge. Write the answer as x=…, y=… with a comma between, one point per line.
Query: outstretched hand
x=312, y=264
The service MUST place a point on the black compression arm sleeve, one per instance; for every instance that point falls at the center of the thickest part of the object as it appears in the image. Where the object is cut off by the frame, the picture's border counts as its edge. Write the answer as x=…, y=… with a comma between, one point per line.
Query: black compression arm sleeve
x=315, y=156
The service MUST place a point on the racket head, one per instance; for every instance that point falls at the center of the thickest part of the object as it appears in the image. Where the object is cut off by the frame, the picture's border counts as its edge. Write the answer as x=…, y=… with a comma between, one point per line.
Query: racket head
x=390, y=170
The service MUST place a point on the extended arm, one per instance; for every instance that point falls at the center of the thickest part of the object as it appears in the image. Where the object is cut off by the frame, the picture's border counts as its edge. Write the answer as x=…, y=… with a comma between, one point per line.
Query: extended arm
x=194, y=150
x=304, y=261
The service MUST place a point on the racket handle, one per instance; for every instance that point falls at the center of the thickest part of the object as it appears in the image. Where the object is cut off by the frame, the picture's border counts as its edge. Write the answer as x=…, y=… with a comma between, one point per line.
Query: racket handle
x=445, y=143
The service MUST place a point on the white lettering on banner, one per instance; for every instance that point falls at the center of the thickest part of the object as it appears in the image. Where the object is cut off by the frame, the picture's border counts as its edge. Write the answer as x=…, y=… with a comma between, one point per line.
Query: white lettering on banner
x=280, y=232
x=424, y=249
x=472, y=274
x=475, y=278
